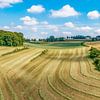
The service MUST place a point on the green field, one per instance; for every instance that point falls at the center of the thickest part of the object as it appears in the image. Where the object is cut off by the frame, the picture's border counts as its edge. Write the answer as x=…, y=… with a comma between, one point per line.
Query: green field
x=69, y=44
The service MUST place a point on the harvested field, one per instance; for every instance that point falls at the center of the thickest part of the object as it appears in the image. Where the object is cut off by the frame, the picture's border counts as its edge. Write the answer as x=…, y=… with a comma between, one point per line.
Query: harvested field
x=94, y=44
x=58, y=74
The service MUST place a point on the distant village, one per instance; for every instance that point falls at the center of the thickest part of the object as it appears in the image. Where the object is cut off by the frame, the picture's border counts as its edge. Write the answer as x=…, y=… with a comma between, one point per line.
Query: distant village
x=78, y=37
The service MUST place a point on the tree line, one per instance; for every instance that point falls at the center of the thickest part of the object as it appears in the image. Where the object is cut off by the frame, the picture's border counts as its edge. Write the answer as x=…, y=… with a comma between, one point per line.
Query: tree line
x=95, y=55
x=8, y=38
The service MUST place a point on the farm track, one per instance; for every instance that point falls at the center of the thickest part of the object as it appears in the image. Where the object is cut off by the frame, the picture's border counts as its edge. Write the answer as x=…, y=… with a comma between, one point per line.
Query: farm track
x=63, y=74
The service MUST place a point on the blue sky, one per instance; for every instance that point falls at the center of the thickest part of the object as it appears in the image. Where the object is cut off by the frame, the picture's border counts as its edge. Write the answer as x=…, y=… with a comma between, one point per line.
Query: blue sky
x=42, y=18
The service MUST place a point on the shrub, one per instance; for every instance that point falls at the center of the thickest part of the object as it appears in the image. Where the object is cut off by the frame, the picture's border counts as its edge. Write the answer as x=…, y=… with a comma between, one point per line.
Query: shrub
x=95, y=55
x=97, y=63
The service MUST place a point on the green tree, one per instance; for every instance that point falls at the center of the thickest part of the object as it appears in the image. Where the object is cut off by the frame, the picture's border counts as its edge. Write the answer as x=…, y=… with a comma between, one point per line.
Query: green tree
x=8, y=38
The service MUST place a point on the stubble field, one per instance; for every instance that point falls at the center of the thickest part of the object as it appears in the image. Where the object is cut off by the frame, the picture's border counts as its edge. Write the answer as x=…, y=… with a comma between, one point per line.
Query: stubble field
x=58, y=74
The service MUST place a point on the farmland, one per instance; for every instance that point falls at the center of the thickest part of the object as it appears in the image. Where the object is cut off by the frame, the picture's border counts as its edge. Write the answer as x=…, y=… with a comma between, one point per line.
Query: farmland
x=68, y=44
x=48, y=74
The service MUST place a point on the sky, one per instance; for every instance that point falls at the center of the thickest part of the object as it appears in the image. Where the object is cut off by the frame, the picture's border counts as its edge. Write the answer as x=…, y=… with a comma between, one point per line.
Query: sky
x=43, y=18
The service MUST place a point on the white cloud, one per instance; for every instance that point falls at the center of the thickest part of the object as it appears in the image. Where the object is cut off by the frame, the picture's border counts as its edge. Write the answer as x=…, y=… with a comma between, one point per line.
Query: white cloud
x=8, y=3
x=69, y=24
x=6, y=27
x=44, y=33
x=36, y=9
x=65, y=11
x=98, y=31
x=29, y=21
x=84, y=29
x=93, y=14
x=67, y=33
x=44, y=23
x=19, y=27
x=34, y=29
x=52, y=27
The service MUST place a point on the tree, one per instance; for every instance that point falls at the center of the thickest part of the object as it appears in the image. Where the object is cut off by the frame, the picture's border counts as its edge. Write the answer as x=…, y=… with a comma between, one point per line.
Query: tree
x=51, y=39
x=94, y=53
x=97, y=63
x=8, y=38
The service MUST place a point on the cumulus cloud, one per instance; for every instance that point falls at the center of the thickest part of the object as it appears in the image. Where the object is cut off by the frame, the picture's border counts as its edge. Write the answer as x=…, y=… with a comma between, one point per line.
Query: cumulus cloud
x=52, y=27
x=69, y=25
x=19, y=27
x=29, y=21
x=6, y=27
x=34, y=29
x=93, y=14
x=36, y=9
x=8, y=3
x=67, y=33
x=84, y=29
x=65, y=11
x=44, y=33
x=97, y=31
x=44, y=23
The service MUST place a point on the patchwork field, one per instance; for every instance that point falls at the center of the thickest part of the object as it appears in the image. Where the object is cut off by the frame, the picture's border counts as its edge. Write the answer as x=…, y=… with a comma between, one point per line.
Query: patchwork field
x=57, y=74
x=66, y=44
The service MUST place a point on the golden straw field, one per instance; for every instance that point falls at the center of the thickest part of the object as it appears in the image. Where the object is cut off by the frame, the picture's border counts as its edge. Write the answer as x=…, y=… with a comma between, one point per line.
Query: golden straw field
x=57, y=74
